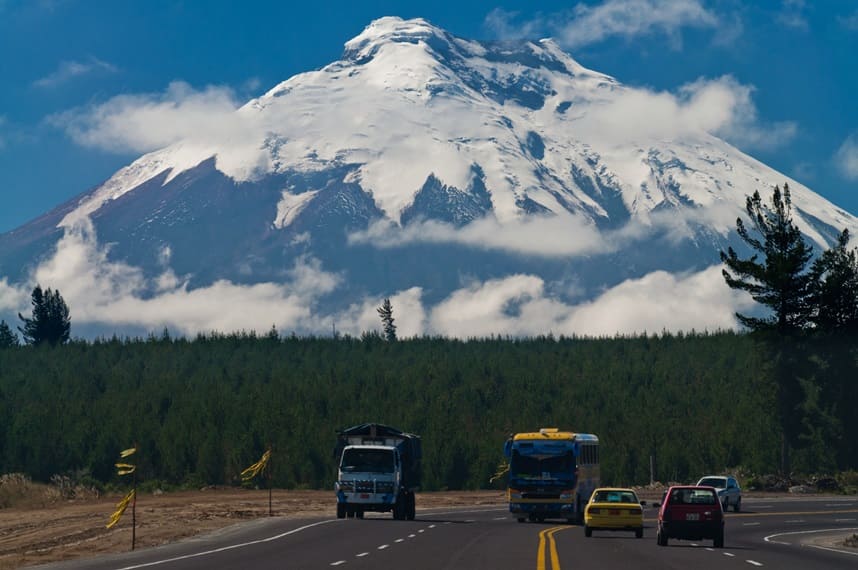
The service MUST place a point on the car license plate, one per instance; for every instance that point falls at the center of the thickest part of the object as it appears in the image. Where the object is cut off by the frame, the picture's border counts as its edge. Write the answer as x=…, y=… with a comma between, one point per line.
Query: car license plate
x=364, y=496
x=692, y=516
x=614, y=512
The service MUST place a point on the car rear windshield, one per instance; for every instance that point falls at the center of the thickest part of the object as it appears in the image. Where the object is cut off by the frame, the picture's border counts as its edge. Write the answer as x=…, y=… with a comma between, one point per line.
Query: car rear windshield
x=692, y=497
x=614, y=497
x=713, y=482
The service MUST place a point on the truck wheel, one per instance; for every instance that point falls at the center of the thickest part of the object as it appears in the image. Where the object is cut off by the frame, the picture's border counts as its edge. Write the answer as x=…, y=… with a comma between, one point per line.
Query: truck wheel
x=359, y=514
x=350, y=513
x=411, y=510
x=737, y=506
x=341, y=511
x=588, y=532
x=398, y=510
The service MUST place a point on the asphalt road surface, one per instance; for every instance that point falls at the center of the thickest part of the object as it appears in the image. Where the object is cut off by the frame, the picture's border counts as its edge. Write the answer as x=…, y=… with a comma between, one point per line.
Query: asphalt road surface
x=781, y=533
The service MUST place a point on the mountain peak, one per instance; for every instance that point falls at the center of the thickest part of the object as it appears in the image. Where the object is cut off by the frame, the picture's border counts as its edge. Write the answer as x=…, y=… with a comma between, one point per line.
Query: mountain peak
x=393, y=29
x=418, y=161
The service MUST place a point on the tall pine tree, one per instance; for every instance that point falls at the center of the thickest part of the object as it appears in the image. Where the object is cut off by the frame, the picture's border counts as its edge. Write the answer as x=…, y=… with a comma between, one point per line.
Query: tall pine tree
x=835, y=283
x=780, y=281
x=385, y=311
x=8, y=338
x=50, y=322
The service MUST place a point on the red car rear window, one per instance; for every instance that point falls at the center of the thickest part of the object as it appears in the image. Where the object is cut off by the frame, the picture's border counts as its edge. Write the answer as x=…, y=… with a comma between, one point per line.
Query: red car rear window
x=692, y=497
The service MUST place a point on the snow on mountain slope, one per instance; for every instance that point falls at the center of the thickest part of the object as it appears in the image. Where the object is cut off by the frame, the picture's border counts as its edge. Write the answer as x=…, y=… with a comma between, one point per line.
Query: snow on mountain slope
x=438, y=169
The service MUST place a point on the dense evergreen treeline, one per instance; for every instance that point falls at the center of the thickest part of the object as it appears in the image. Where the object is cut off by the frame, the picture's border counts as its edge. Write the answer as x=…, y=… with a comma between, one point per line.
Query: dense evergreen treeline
x=203, y=410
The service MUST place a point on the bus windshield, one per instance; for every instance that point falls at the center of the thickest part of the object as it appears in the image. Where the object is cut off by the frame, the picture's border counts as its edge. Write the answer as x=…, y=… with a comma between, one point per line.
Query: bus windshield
x=541, y=467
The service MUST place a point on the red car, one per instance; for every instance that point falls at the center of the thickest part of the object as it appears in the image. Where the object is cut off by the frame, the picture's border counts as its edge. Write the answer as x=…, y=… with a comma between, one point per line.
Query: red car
x=691, y=512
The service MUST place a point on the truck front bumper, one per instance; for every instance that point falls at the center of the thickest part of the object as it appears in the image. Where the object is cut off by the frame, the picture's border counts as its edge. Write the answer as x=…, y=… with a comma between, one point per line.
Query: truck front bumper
x=539, y=507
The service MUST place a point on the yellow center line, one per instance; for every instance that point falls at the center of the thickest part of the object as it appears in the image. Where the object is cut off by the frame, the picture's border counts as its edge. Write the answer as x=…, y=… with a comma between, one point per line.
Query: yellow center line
x=552, y=548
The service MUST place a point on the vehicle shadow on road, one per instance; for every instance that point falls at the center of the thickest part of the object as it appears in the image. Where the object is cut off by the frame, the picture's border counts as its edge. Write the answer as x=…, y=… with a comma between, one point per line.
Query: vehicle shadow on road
x=704, y=545
x=419, y=520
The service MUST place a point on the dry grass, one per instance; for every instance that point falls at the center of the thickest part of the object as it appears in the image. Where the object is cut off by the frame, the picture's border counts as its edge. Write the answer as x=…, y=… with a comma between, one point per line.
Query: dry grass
x=40, y=526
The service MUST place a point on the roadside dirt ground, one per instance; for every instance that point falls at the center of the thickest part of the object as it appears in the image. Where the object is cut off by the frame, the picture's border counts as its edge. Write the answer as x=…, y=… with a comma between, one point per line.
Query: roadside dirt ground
x=67, y=530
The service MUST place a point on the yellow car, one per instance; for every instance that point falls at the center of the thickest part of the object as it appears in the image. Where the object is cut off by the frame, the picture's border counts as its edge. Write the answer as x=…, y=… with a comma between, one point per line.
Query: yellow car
x=613, y=509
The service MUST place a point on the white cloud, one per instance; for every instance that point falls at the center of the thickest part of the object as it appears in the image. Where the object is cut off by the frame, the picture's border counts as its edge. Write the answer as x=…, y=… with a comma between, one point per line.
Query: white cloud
x=141, y=123
x=113, y=294
x=662, y=301
x=792, y=15
x=847, y=157
x=501, y=24
x=518, y=305
x=543, y=236
x=850, y=22
x=559, y=236
x=585, y=25
x=722, y=107
x=69, y=70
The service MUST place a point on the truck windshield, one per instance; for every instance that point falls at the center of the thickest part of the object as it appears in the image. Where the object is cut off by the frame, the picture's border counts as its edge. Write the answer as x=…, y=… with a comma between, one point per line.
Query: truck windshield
x=367, y=460
x=538, y=467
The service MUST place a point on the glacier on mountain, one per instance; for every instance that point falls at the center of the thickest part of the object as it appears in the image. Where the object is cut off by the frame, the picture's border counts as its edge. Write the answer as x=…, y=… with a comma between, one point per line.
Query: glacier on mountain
x=429, y=164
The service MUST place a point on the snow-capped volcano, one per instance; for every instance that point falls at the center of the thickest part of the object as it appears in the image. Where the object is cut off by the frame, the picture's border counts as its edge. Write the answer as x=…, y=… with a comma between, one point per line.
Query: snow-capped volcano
x=425, y=163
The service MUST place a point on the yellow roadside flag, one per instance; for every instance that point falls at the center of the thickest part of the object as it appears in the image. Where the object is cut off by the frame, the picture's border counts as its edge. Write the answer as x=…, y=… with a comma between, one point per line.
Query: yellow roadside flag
x=120, y=509
x=125, y=468
x=503, y=467
x=127, y=452
x=254, y=469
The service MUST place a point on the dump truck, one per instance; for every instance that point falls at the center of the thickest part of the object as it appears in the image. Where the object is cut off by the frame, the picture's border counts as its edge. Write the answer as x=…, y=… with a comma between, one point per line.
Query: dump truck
x=378, y=471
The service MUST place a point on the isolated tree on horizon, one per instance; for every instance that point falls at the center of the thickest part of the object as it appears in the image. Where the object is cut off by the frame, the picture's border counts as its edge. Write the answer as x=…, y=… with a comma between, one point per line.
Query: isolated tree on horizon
x=50, y=322
x=8, y=338
x=385, y=311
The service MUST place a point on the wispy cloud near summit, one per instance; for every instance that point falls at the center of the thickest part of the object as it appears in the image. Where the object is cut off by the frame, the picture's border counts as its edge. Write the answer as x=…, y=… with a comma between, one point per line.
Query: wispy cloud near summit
x=69, y=70
x=585, y=25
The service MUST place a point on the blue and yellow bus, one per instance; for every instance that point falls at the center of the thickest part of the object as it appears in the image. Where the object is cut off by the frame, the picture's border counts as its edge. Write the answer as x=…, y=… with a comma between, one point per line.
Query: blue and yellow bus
x=552, y=474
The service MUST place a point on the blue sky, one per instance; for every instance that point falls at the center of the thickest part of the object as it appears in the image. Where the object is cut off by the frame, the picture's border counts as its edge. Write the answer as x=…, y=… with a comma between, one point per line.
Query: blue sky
x=67, y=64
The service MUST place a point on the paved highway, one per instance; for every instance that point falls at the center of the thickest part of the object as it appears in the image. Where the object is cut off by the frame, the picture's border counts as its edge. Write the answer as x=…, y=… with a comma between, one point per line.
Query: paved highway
x=782, y=533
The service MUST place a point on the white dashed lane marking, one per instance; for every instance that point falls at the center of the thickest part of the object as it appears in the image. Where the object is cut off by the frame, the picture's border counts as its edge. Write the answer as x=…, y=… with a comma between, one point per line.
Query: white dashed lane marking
x=754, y=562
x=362, y=554
x=730, y=554
x=383, y=546
x=338, y=562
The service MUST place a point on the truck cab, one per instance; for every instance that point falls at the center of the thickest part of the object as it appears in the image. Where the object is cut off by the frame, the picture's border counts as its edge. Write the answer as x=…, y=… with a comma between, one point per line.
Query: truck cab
x=378, y=471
